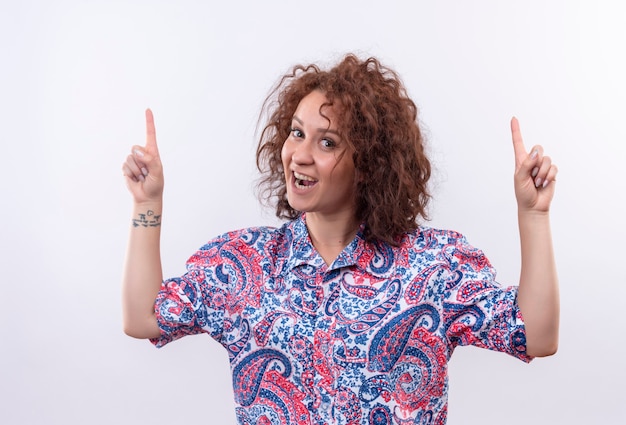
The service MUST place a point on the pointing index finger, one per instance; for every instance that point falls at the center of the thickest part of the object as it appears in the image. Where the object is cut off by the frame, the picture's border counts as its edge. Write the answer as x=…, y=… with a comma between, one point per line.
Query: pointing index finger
x=518, y=142
x=151, y=143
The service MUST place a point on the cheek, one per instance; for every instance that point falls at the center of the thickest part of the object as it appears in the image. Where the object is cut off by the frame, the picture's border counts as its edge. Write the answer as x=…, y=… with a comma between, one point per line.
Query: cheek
x=284, y=156
x=348, y=171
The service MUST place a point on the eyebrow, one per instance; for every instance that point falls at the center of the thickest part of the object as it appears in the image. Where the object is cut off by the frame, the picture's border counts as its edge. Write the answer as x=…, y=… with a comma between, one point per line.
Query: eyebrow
x=323, y=130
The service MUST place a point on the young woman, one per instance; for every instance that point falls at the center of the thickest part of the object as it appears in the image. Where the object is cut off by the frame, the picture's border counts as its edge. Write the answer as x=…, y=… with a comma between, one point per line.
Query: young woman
x=349, y=312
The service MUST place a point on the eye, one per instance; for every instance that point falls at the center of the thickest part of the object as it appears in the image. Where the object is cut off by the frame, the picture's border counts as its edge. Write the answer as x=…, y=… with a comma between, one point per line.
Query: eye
x=297, y=133
x=328, y=143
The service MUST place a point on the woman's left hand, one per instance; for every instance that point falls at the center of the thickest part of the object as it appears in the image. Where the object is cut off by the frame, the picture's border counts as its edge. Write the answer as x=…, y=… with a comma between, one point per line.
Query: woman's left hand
x=534, y=175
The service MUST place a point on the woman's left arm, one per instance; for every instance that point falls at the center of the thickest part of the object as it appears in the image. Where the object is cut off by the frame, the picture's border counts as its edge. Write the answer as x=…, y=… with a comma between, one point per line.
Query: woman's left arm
x=538, y=295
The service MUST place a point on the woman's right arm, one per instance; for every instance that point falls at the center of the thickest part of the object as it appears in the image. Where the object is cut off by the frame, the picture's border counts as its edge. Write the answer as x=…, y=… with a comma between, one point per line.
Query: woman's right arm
x=143, y=275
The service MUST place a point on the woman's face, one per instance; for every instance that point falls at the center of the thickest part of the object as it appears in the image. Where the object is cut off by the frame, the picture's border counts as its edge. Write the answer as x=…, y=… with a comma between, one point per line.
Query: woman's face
x=319, y=169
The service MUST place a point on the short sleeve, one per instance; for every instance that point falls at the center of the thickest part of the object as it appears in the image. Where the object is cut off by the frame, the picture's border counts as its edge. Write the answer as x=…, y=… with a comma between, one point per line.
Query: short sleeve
x=195, y=302
x=477, y=310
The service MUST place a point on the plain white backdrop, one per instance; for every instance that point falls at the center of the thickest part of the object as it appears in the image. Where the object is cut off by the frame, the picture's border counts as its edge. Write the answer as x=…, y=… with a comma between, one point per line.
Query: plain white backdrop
x=76, y=76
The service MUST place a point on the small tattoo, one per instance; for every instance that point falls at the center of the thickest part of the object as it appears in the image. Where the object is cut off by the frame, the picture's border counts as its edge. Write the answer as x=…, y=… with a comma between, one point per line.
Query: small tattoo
x=147, y=220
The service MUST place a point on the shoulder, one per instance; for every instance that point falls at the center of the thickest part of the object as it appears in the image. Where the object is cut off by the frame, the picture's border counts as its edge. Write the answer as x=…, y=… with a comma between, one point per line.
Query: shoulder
x=250, y=243
x=425, y=237
x=445, y=245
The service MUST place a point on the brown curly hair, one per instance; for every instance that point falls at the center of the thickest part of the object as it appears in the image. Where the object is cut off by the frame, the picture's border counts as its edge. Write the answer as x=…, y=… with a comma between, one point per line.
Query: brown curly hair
x=378, y=120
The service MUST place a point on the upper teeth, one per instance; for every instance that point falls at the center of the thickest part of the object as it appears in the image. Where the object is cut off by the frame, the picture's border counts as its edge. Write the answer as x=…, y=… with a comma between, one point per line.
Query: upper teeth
x=303, y=177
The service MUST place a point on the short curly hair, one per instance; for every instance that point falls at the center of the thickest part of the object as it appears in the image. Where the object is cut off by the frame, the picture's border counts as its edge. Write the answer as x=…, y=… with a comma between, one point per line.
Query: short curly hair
x=378, y=120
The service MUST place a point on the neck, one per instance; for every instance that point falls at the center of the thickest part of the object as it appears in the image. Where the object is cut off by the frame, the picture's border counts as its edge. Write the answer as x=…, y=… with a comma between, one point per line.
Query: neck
x=330, y=235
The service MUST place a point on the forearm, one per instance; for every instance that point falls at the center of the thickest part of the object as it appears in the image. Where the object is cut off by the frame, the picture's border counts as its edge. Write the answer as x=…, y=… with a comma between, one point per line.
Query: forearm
x=538, y=288
x=142, y=272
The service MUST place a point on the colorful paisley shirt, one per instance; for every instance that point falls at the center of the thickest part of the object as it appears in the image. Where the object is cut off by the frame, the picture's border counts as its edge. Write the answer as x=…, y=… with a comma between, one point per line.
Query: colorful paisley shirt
x=364, y=341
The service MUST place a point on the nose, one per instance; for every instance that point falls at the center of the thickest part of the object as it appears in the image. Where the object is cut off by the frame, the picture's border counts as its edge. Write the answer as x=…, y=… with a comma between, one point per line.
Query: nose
x=302, y=153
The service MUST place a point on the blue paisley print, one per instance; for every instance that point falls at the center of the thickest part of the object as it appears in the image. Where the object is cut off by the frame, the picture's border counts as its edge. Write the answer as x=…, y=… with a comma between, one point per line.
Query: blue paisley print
x=364, y=341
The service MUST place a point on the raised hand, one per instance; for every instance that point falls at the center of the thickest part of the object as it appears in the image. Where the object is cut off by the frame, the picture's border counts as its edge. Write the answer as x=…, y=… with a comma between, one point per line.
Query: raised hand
x=534, y=175
x=143, y=170
x=538, y=295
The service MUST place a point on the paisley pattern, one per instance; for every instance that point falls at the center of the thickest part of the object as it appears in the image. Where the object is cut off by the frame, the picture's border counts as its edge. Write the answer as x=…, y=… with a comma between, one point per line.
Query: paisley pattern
x=365, y=340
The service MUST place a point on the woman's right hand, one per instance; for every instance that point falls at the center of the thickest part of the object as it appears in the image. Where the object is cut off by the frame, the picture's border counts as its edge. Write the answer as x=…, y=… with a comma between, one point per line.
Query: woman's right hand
x=143, y=170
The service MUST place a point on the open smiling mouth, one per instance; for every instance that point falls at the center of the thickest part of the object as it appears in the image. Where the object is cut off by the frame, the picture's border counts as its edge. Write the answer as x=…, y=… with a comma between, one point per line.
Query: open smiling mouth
x=303, y=182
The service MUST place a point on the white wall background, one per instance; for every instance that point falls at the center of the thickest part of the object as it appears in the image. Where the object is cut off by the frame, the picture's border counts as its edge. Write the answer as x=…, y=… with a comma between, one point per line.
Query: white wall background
x=76, y=76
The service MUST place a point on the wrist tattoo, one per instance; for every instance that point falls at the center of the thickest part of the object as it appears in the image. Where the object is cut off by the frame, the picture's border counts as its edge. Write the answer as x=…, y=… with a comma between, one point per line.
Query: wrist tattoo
x=149, y=219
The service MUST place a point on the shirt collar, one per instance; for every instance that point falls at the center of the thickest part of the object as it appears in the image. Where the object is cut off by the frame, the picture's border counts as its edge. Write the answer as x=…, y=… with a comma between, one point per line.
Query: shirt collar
x=301, y=251
x=377, y=259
